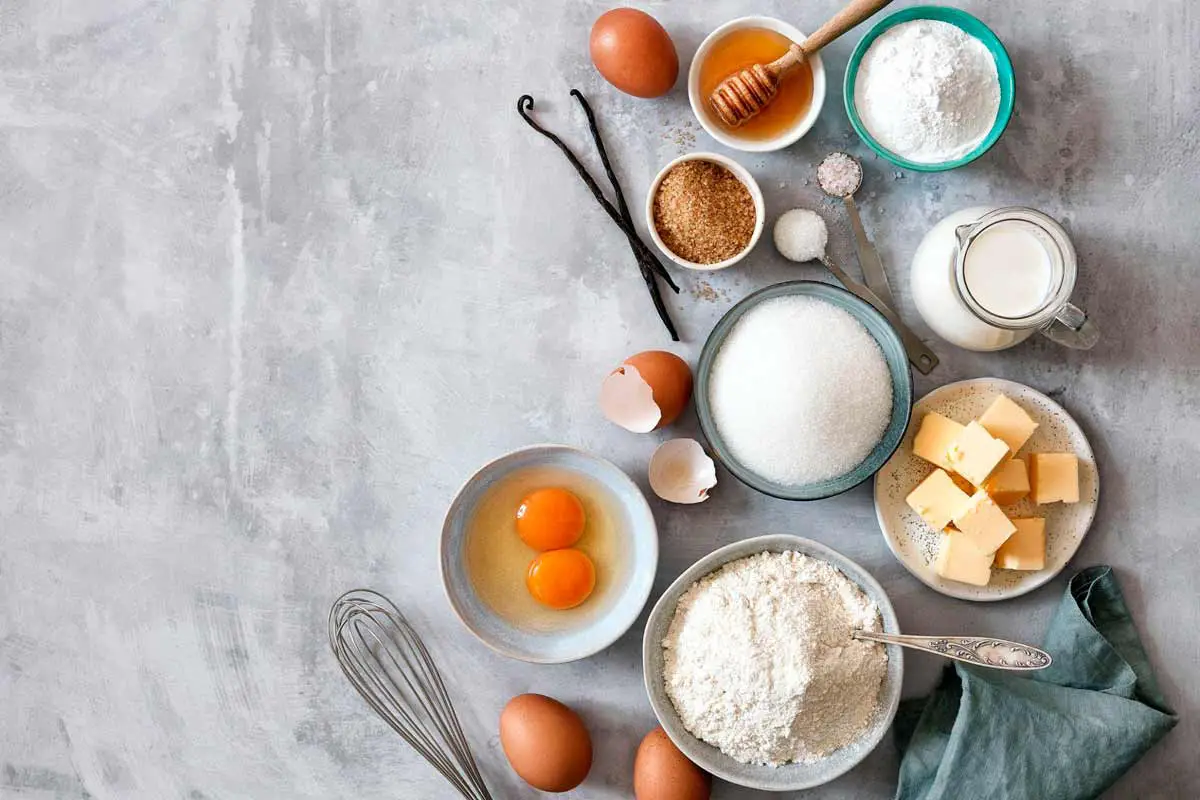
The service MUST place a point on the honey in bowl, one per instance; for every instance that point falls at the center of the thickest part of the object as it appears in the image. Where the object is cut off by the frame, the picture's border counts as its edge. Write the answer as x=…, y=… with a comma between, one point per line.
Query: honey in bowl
x=741, y=49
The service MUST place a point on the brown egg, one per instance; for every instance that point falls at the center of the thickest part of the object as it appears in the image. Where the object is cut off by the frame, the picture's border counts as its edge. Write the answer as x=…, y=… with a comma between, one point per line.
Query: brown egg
x=545, y=742
x=651, y=395
x=670, y=379
x=634, y=53
x=661, y=772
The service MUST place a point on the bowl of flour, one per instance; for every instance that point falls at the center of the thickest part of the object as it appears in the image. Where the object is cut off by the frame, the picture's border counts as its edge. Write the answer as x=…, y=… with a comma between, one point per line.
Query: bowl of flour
x=929, y=88
x=752, y=671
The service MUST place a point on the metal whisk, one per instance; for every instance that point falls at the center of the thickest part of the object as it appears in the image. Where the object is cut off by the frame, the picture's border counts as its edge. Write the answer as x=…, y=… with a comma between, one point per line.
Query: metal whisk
x=391, y=668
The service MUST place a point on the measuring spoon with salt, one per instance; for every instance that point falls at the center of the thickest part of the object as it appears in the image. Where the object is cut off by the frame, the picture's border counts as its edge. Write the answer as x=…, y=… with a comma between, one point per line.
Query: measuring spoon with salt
x=801, y=235
x=840, y=175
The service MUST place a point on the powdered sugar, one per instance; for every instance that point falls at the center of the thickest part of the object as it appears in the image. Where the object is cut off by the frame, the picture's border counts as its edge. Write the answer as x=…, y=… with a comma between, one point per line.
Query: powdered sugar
x=759, y=660
x=927, y=91
x=801, y=235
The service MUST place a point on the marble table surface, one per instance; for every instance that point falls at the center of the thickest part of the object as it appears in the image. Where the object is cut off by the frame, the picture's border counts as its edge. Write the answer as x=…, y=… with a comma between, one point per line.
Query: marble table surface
x=279, y=274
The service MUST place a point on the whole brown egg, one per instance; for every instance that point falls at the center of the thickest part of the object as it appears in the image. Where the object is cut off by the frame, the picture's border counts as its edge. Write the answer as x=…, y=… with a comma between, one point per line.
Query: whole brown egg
x=546, y=742
x=634, y=53
x=662, y=772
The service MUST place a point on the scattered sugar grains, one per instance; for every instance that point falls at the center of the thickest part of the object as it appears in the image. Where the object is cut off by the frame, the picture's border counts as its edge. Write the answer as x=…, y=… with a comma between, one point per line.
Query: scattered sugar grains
x=800, y=391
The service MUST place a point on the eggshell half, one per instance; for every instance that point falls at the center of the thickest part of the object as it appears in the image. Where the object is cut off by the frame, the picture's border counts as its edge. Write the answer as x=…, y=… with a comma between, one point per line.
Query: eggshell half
x=546, y=742
x=628, y=400
x=662, y=772
x=681, y=472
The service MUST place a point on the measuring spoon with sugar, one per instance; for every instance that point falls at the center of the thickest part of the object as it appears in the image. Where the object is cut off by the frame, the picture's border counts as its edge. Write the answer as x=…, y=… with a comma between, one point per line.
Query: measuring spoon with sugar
x=920, y=356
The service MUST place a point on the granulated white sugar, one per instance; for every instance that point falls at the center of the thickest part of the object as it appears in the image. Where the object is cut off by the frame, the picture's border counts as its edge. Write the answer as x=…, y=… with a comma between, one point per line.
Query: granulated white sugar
x=800, y=391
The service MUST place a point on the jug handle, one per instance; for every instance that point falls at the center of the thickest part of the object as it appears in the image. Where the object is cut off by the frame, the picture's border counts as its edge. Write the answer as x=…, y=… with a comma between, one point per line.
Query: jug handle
x=1071, y=327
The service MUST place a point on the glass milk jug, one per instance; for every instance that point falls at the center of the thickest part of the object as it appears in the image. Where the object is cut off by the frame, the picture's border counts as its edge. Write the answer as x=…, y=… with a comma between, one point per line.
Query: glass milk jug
x=987, y=278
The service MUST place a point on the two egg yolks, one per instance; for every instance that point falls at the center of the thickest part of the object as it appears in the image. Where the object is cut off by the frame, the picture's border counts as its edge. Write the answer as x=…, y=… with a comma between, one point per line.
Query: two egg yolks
x=551, y=520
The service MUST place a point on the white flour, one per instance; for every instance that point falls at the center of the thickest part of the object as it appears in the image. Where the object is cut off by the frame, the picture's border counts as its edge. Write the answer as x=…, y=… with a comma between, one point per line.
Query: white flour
x=927, y=91
x=760, y=663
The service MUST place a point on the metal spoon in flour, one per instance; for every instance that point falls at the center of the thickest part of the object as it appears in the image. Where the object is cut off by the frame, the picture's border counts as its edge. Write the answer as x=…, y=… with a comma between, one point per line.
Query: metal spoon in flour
x=978, y=650
x=801, y=235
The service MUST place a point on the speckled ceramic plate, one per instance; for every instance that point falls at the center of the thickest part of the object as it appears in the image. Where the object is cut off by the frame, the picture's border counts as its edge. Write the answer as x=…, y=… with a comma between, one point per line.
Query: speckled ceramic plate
x=914, y=543
x=598, y=623
x=790, y=777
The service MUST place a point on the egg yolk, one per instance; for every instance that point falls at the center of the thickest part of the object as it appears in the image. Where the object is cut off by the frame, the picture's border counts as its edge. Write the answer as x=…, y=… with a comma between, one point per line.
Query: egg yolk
x=550, y=519
x=561, y=578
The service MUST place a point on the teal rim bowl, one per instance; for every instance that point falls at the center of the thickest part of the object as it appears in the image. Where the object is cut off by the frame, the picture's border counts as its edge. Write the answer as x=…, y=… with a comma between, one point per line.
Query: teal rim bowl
x=972, y=27
x=893, y=353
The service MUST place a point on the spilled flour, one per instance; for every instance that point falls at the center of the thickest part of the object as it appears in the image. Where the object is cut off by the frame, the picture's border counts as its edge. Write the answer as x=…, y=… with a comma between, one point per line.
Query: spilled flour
x=759, y=660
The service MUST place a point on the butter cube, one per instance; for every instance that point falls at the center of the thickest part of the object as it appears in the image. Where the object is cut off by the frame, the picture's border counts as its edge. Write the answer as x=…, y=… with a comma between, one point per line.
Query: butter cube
x=1010, y=483
x=934, y=438
x=1009, y=423
x=937, y=499
x=960, y=560
x=1054, y=477
x=974, y=454
x=982, y=521
x=1025, y=549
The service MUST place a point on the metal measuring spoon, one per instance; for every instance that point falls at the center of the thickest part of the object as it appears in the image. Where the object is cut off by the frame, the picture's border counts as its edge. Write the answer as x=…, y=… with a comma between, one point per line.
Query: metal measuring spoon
x=979, y=650
x=840, y=175
x=918, y=354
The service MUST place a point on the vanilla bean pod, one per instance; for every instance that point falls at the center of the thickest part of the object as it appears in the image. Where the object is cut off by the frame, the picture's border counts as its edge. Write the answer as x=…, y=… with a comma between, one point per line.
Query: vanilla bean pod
x=654, y=264
x=648, y=264
x=524, y=103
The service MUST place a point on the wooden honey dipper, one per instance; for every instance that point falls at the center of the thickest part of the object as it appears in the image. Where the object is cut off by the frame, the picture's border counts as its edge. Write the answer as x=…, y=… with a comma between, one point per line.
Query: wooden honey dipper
x=739, y=97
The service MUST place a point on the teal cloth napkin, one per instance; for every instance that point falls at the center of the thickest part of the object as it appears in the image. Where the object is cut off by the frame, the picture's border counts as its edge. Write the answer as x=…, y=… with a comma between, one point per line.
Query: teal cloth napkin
x=1065, y=733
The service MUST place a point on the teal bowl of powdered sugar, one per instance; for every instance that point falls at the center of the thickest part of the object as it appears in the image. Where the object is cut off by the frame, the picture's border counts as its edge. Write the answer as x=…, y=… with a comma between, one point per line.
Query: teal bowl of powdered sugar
x=803, y=390
x=929, y=88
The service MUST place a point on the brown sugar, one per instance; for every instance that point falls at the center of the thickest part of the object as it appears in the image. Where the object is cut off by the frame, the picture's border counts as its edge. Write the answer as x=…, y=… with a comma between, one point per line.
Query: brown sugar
x=703, y=213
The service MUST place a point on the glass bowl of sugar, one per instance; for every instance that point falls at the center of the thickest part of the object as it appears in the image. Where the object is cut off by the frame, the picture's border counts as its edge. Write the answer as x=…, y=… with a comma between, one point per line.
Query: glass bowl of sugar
x=803, y=390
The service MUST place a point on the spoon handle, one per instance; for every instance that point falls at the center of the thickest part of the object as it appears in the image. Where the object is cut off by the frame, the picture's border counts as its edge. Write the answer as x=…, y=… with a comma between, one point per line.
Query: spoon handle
x=919, y=355
x=980, y=650
x=868, y=256
x=854, y=12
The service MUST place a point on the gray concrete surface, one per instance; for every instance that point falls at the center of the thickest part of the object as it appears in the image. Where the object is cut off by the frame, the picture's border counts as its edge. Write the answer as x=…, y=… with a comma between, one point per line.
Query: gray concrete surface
x=279, y=274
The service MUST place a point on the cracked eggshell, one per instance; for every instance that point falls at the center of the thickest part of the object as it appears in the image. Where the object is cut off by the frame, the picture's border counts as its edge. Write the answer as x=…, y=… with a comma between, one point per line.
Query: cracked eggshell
x=648, y=391
x=681, y=472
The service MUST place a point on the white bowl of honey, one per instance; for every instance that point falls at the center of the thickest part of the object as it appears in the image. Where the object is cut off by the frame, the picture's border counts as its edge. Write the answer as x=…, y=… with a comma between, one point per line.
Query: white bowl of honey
x=742, y=43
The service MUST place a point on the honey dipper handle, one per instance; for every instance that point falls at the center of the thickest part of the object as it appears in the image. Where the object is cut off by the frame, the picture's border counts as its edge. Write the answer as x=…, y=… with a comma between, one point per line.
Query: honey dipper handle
x=854, y=12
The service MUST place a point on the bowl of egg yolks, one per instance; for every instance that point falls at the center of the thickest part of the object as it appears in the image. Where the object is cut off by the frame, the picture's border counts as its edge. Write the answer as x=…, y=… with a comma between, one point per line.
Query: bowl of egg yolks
x=548, y=554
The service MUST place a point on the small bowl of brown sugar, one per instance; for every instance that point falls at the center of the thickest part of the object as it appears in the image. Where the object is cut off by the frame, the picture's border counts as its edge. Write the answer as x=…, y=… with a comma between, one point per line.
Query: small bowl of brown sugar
x=705, y=211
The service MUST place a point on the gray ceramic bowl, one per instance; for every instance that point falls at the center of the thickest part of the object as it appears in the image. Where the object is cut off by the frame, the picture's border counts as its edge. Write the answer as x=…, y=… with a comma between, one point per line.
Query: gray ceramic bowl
x=790, y=777
x=588, y=633
x=893, y=353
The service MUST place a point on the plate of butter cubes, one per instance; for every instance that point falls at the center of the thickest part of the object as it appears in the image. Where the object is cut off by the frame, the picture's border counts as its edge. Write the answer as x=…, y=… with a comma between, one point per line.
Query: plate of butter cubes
x=990, y=493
